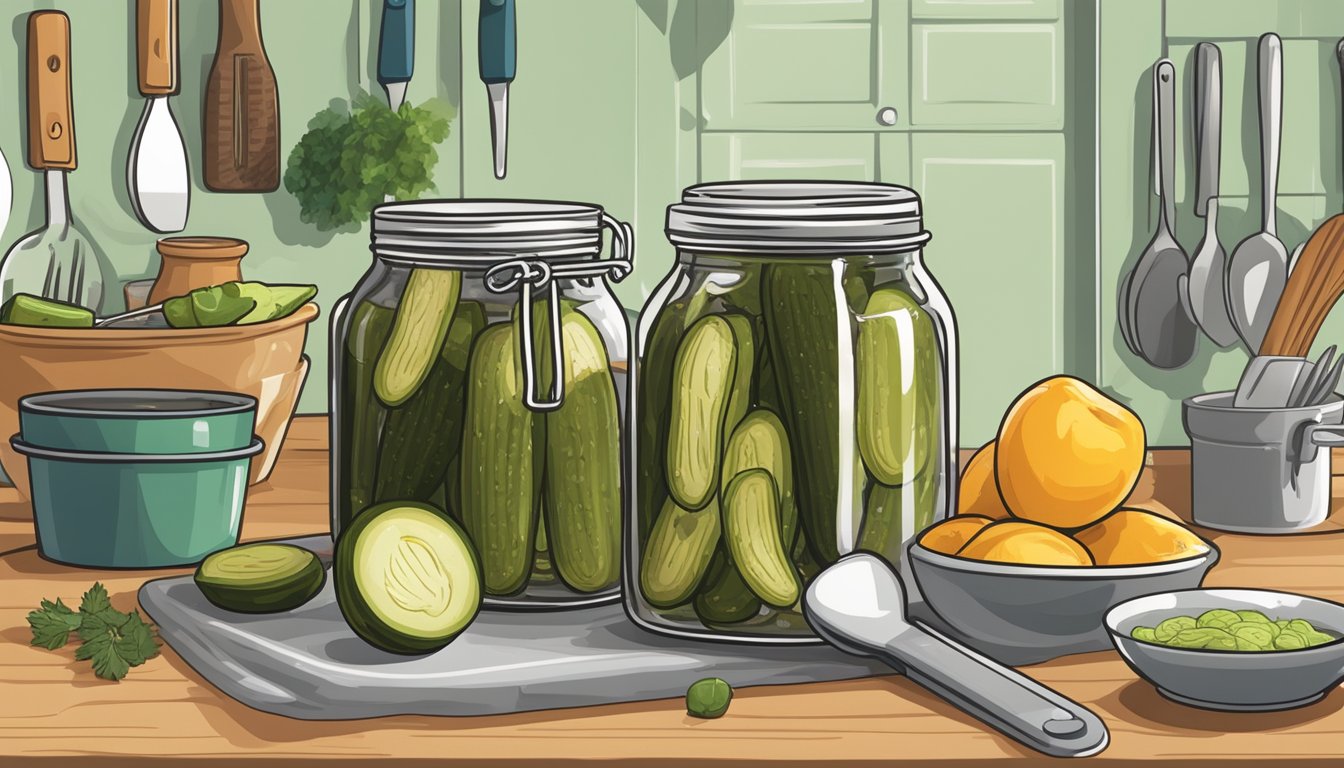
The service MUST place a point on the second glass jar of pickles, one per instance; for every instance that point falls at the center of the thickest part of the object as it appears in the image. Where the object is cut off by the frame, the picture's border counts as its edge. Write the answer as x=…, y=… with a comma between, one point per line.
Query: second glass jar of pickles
x=794, y=401
x=441, y=398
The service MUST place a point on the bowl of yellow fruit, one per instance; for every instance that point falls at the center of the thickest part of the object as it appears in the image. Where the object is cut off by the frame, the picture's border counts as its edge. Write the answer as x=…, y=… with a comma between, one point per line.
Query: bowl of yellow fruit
x=1042, y=544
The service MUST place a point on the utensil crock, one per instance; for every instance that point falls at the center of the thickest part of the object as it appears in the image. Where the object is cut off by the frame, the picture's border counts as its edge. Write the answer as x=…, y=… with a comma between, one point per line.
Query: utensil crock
x=1260, y=470
x=196, y=262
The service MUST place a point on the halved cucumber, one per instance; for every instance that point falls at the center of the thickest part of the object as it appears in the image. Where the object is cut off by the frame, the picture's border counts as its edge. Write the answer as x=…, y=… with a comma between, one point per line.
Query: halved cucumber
x=407, y=579
x=427, y=305
x=261, y=578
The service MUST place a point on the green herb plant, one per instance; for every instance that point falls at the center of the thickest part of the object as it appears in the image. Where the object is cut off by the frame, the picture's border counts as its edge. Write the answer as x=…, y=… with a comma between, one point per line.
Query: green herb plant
x=111, y=640
x=350, y=159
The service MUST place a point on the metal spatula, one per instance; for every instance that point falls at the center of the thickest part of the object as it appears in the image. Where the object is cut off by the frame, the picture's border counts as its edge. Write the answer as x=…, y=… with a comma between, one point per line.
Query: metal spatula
x=858, y=605
x=58, y=261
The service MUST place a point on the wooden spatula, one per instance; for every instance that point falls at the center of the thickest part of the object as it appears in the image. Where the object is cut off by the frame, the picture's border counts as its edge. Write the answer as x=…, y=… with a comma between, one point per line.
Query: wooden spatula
x=1316, y=283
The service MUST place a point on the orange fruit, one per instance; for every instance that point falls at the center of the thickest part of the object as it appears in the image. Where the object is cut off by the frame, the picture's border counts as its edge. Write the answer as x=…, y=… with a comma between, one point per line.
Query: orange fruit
x=1011, y=541
x=1067, y=454
x=979, y=494
x=1136, y=537
x=952, y=534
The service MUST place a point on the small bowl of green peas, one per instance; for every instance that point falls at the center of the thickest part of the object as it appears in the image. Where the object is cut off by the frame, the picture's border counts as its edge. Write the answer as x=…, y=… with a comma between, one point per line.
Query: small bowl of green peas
x=1247, y=650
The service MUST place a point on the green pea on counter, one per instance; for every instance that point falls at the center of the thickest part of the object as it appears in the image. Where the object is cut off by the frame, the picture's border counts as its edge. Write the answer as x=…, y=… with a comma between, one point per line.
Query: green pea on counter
x=1224, y=630
x=708, y=698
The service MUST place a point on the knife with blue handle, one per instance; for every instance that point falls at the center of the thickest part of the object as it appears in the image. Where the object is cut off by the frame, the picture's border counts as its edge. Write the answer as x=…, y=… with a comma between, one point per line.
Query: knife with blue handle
x=396, y=49
x=498, y=58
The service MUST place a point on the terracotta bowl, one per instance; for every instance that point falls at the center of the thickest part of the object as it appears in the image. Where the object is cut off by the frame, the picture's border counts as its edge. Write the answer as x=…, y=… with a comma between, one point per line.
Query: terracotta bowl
x=264, y=360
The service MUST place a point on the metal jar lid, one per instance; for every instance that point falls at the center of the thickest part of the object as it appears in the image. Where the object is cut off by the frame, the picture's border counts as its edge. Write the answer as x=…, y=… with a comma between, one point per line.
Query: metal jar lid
x=797, y=216
x=485, y=230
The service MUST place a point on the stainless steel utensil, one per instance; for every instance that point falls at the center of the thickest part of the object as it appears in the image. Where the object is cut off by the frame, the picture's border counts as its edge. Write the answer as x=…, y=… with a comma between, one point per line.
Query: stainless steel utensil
x=1163, y=330
x=396, y=54
x=58, y=261
x=858, y=605
x=497, y=41
x=156, y=168
x=1309, y=380
x=1258, y=267
x=1324, y=387
x=1269, y=380
x=1208, y=268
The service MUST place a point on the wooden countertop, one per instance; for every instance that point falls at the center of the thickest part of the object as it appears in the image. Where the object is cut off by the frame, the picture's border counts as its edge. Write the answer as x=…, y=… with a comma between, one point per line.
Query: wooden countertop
x=54, y=712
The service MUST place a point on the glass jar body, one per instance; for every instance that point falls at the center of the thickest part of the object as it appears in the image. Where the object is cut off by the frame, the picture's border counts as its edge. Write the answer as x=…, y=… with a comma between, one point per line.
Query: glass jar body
x=537, y=490
x=789, y=410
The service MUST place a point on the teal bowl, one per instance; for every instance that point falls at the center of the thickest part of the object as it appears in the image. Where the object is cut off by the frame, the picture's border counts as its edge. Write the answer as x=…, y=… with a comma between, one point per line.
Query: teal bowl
x=110, y=510
x=145, y=421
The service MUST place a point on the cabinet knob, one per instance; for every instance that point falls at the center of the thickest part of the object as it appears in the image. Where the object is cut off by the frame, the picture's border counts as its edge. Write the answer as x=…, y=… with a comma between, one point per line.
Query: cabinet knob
x=886, y=116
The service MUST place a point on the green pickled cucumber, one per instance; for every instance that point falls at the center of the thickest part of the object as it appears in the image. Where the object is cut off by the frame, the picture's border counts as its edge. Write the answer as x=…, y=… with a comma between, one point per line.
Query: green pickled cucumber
x=653, y=389
x=802, y=325
x=678, y=552
x=751, y=526
x=361, y=413
x=884, y=530
x=703, y=377
x=895, y=381
x=424, y=433
x=724, y=597
x=26, y=309
x=502, y=441
x=744, y=373
x=760, y=442
x=583, y=463
x=212, y=306
x=272, y=301
x=427, y=305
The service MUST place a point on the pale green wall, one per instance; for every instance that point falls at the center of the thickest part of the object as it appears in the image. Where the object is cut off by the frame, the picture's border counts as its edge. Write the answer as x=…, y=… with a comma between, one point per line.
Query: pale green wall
x=1037, y=193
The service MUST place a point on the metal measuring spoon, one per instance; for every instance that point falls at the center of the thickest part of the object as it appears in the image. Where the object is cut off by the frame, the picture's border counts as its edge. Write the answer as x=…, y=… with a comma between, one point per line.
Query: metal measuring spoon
x=858, y=605
x=1258, y=267
x=1208, y=268
x=1164, y=331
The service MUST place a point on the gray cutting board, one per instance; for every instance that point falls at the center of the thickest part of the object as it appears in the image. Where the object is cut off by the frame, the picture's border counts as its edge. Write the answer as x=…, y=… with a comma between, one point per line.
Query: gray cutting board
x=309, y=665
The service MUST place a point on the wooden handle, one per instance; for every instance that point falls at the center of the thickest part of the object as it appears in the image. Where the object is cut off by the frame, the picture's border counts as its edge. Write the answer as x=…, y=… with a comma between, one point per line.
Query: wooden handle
x=156, y=44
x=1313, y=287
x=51, y=125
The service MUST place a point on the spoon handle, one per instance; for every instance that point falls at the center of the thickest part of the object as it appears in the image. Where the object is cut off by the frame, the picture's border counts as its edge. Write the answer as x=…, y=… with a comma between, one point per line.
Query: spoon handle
x=1208, y=123
x=1271, y=120
x=999, y=696
x=1164, y=86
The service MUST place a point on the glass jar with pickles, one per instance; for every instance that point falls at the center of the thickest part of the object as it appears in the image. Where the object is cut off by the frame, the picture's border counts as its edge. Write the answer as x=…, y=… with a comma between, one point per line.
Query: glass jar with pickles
x=479, y=369
x=794, y=401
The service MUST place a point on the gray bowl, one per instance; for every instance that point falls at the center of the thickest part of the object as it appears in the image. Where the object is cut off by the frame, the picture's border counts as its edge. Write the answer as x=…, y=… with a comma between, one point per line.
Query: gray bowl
x=1049, y=610
x=1244, y=681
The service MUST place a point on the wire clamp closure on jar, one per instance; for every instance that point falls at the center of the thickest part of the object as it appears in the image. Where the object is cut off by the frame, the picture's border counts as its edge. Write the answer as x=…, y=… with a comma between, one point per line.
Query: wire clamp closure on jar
x=530, y=275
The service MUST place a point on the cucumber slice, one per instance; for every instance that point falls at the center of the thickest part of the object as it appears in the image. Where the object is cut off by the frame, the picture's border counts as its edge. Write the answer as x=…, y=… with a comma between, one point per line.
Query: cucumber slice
x=261, y=578
x=407, y=580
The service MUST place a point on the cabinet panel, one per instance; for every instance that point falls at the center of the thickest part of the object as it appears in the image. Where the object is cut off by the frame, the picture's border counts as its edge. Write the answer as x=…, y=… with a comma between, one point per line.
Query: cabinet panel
x=843, y=156
x=809, y=66
x=988, y=75
x=985, y=9
x=996, y=207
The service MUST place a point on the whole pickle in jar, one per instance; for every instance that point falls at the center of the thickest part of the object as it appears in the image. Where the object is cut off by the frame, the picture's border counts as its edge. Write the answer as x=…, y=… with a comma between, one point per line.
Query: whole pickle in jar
x=802, y=316
x=501, y=465
x=678, y=553
x=361, y=412
x=751, y=527
x=703, y=377
x=583, y=462
x=428, y=302
x=893, y=515
x=897, y=379
x=724, y=597
x=425, y=432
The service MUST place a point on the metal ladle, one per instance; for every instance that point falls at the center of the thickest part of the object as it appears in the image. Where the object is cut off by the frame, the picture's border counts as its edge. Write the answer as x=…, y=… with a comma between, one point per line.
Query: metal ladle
x=858, y=605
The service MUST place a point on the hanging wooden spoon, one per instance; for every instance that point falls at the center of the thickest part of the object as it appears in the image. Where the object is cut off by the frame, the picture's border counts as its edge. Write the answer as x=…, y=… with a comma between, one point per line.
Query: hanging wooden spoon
x=1314, y=286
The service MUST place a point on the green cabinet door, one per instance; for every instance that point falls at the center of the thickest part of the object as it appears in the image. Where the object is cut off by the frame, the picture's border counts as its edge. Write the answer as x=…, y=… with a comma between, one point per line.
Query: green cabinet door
x=779, y=156
x=996, y=206
x=809, y=65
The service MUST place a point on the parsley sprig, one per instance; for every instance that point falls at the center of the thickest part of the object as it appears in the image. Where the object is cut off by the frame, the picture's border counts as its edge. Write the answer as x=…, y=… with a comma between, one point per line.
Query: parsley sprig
x=111, y=640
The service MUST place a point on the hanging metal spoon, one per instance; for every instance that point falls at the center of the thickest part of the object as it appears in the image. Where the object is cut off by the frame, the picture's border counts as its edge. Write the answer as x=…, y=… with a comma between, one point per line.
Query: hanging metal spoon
x=1258, y=267
x=1164, y=331
x=1208, y=268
